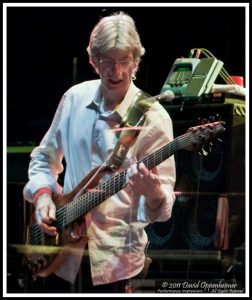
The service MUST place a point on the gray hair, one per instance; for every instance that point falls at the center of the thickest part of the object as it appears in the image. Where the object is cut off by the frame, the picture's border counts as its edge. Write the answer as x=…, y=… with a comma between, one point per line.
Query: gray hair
x=115, y=31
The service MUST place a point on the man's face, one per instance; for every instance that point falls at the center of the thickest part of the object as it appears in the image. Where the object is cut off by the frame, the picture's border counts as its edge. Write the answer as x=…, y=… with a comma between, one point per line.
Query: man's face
x=116, y=67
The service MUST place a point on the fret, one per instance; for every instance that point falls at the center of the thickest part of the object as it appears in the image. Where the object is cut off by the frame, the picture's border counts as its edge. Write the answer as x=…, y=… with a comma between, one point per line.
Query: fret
x=79, y=206
x=114, y=184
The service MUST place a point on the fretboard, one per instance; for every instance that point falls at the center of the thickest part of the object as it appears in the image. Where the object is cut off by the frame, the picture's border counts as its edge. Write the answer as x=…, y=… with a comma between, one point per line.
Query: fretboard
x=84, y=203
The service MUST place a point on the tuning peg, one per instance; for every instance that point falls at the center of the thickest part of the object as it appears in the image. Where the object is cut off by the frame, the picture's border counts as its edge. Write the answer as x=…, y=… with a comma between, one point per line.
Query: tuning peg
x=209, y=147
x=218, y=142
x=217, y=117
x=203, y=152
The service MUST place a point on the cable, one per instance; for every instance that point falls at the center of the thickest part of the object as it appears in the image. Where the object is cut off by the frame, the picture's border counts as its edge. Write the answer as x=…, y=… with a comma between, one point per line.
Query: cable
x=223, y=73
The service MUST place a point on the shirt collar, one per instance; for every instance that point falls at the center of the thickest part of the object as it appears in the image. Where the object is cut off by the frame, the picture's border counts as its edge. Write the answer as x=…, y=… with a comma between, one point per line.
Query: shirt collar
x=95, y=103
x=121, y=109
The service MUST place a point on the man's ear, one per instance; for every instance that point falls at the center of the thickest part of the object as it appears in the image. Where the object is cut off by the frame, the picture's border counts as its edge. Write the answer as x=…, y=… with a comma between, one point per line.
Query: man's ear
x=94, y=62
x=136, y=65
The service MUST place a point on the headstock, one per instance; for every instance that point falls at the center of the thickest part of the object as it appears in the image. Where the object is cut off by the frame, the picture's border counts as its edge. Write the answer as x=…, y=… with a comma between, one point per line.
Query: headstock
x=202, y=135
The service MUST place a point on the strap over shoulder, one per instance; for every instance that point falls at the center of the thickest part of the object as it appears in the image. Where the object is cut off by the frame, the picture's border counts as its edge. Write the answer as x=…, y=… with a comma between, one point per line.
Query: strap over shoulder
x=133, y=119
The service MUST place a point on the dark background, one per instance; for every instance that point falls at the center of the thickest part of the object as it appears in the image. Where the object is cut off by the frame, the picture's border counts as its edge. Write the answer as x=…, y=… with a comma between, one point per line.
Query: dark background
x=41, y=45
x=43, y=41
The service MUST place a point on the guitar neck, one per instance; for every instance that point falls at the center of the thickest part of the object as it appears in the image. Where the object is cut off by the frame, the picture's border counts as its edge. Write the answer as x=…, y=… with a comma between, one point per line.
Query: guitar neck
x=83, y=204
x=192, y=140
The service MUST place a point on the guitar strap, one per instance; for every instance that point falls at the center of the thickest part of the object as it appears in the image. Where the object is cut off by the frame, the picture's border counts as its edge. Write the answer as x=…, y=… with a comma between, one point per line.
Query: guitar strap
x=130, y=128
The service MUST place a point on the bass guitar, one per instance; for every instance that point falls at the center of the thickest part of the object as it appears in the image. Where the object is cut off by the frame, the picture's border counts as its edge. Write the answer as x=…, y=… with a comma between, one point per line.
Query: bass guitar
x=45, y=253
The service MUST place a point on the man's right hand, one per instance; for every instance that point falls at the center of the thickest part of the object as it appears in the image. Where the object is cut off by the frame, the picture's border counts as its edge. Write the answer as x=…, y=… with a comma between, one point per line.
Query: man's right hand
x=45, y=211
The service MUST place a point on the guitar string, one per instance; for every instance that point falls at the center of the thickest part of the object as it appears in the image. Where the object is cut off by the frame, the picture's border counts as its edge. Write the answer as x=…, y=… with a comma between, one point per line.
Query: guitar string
x=120, y=180
x=116, y=181
x=113, y=182
x=85, y=202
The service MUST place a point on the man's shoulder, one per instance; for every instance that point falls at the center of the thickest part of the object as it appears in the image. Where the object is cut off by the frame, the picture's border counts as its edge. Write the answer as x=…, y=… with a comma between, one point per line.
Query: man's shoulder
x=85, y=87
x=82, y=93
x=158, y=108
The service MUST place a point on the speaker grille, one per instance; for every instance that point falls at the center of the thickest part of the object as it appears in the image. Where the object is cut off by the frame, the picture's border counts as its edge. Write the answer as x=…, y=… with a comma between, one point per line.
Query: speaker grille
x=202, y=179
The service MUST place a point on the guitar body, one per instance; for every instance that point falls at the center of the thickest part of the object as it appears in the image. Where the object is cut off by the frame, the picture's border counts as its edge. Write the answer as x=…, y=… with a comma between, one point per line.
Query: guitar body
x=44, y=259
x=45, y=253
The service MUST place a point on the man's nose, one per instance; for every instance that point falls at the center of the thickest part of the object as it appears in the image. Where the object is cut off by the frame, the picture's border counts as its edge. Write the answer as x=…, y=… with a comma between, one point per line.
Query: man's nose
x=117, y=65
x=117, y=68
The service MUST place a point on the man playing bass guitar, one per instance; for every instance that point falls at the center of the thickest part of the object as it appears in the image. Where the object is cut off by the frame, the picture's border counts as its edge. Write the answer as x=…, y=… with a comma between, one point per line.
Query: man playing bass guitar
x=84, y=132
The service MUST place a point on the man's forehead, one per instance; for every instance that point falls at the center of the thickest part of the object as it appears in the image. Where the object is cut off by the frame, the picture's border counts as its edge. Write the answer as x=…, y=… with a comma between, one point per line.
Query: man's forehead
x=118, y=53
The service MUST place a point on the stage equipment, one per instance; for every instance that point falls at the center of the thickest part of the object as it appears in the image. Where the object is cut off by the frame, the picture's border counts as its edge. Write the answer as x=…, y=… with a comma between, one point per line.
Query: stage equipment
x=209, y=211
x=192, y=79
